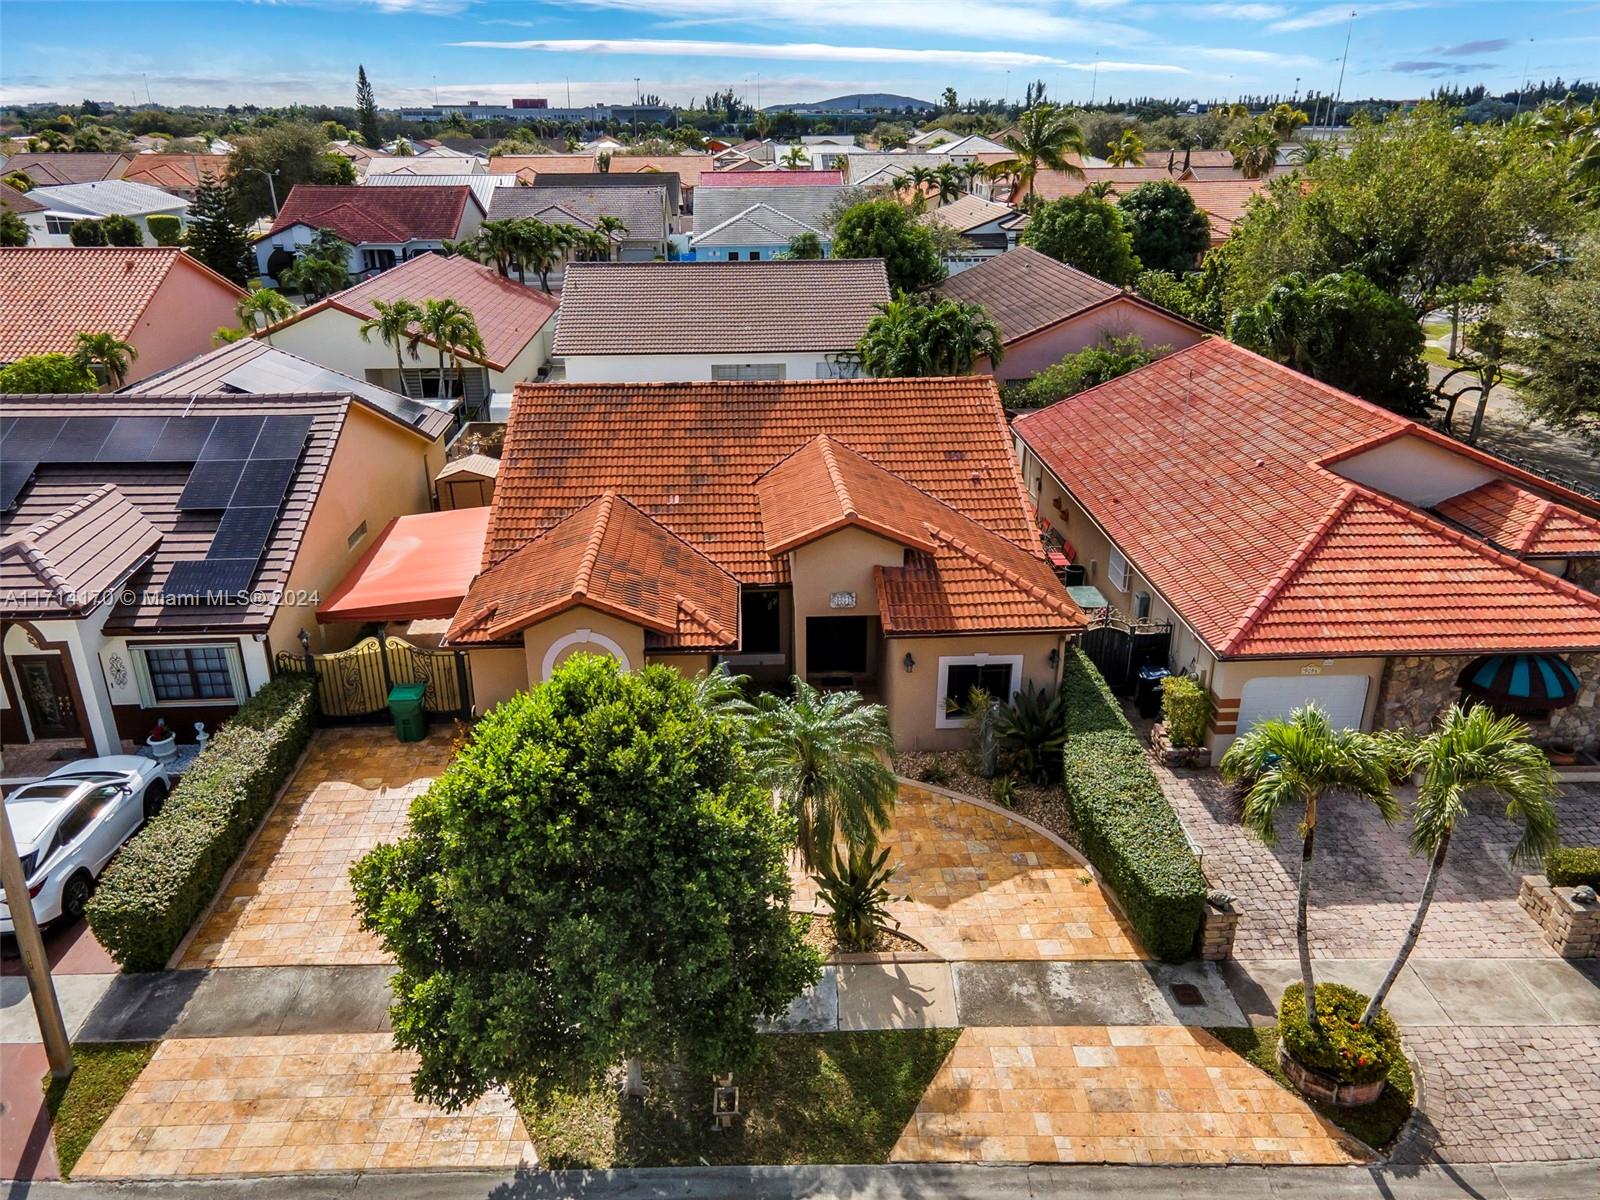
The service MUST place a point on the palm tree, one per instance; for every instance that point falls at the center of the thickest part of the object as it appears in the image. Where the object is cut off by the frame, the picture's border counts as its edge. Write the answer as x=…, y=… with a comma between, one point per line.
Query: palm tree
x=314, y=276
x=823, y=756
x=797, y=159
x=1472, y=752
x=950, y=182
x=106, y=351
x=1127, y=150
x=613, y=228
x=1045, y=137
x=1285, y=119
x=497, y=242
x=393, y=327
x=542, y=246
x=916, y=180
x=1296, y=762
x=1255, y=150
x=444, y=323
x=1584, y=173
x=974, y=171
x=1100, y=189
x=263, y=305
x=909, y=337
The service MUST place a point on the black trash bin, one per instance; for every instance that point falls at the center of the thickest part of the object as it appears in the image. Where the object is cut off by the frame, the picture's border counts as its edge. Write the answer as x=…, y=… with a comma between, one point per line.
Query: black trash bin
x=1147, y=692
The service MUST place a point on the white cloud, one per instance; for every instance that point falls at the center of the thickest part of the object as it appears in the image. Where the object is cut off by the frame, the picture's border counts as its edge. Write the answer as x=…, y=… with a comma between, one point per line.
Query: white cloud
x=1238, y=12
x=808, y=52
x=996, y=20
x=1338, y=14
x=1234, y=54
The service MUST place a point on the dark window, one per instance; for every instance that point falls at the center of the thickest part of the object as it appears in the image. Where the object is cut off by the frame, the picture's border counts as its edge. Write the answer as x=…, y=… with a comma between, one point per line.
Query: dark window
x=377, y=260
x=836, y=644
x=758, y=616
x=733, y=256
x=994, y=678
x=191, y=673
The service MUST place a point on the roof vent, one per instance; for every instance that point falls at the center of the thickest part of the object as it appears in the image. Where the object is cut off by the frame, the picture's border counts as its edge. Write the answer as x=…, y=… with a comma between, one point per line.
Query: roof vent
x=977, y=478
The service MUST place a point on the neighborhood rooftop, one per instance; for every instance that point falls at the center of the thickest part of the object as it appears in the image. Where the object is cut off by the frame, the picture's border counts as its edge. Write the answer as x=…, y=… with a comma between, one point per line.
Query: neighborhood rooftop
x=643, y=210
x=359, y=213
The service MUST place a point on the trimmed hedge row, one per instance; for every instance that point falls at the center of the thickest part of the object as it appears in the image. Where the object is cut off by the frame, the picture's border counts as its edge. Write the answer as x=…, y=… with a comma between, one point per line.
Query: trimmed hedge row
x=1573, y=866
x=163, y=879
x=1129, y=831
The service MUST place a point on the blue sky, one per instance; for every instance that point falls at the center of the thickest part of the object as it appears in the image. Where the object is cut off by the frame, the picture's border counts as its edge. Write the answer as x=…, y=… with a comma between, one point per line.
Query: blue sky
x=278, y=51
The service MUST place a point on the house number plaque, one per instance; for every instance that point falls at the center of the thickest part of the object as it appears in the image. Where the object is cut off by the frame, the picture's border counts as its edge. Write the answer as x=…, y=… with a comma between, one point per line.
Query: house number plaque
x=842, y=600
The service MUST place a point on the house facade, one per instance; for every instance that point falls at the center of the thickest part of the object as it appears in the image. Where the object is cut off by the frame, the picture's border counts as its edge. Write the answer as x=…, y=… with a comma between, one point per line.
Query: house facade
x=757, y=222
x=645, y=212
x=515, y=322
x=989, y=228
x=384, y=226
x=157, y=552
x=67, y=204
x=674, y=321
x=1305, y=546
x=863, y=533
x=163, y=302
x=1047, y=310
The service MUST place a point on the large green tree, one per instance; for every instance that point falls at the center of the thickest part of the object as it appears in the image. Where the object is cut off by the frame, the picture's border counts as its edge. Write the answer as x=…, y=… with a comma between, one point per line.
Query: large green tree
x=1344, y=330
x=924, y=335
x=1419, y=204
x=292, y=153
x=366, y=110
x=1085, y=232
x=1084, y=369
x=595, y=877
x=1168, y=230
x=215, y=236
x=46, y=373
x=1553, y=319
x=14, y=230
x=886, y=230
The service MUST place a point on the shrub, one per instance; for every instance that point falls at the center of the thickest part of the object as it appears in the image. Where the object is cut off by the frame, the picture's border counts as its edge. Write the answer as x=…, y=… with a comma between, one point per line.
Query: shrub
x=165, y=229
x=1129, y=830
x=934, y=772
x=1573, y=866
x=853, y=883
x=87, y=233
x=121, y=230
x=1083, y=369
x=1031, y=730
x=162, y=880
x=1344, y=1049
x=1185, y=709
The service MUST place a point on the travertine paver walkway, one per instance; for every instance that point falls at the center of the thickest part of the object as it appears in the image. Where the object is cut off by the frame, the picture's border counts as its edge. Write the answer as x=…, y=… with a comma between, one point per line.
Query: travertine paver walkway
x=232, y=1106
x=1125, y=1094
x=290, y=903
x=981, y=885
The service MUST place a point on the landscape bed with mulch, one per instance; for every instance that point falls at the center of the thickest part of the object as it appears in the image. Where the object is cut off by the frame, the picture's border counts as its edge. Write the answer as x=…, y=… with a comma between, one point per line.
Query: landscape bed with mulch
x=811, y=1098
x=1040, y=803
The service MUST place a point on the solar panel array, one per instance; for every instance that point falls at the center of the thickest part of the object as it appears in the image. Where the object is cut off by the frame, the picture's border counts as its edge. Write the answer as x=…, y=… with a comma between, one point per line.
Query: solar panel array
x=242, y=469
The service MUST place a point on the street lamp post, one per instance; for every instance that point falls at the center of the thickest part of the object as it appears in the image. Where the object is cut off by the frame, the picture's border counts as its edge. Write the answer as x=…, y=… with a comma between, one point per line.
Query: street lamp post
x=46, y=1007
x=272, y=189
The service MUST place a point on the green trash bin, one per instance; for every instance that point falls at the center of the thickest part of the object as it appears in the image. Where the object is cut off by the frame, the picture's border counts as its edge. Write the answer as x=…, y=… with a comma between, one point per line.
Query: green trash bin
x=405, y=705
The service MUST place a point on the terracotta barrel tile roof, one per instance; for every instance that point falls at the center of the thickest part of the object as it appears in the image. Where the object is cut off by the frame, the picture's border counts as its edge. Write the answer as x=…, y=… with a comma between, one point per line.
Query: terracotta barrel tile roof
x=77, y=553
x=181, y=172
x=695, y=307
x=1523, y=522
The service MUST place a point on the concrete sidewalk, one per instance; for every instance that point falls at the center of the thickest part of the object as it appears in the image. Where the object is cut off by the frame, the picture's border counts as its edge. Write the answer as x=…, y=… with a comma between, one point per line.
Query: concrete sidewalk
x=1564, y=1181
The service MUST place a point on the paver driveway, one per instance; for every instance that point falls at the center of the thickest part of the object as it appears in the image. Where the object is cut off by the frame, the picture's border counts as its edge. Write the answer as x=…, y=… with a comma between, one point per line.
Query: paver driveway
x=979, y=884
x=1124, y=1094
x=327, y=1102
x=290, y=903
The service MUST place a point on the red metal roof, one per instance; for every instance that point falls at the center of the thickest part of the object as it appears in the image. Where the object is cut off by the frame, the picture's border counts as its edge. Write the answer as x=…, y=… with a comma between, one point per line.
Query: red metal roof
x=419, y=568
x=370, y=214
x=1207, y=469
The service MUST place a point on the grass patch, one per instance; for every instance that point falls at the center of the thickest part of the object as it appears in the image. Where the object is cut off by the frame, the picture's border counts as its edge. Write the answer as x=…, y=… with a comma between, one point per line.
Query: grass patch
x=813, y=1098
x=80, y=1105
x=1376, y=1124
x=1440, y=358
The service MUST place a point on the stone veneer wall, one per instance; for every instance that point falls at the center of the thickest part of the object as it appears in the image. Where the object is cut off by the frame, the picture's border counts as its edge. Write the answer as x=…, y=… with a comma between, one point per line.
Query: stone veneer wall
x=1585, y=572
x=1417, y=689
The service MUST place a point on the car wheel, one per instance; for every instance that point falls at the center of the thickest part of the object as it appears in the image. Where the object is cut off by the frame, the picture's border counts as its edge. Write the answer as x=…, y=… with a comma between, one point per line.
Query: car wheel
x=75, y=896
x=154, y=797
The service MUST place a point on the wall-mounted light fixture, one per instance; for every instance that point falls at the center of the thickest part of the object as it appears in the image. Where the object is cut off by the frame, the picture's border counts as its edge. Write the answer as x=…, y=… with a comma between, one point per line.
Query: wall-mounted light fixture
x=1055, y=657
x=909, y=663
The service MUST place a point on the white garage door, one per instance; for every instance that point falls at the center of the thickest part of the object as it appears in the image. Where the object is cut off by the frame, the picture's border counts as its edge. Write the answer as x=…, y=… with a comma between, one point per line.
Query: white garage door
x=1342, y=697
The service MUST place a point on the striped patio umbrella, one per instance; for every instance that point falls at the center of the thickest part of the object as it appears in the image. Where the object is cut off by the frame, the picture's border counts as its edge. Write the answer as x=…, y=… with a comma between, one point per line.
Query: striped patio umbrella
x=1534, y=681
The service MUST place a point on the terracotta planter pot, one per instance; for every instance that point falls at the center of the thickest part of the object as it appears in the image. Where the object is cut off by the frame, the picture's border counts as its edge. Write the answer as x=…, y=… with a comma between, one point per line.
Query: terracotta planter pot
x=1318, y=1085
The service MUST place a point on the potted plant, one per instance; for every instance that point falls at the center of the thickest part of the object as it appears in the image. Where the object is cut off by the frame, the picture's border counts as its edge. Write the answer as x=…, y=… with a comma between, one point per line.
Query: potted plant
x=162, y=741
x=1339, y=1060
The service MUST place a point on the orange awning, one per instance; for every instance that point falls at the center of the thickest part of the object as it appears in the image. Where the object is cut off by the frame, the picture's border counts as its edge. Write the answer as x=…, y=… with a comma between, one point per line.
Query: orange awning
x=420, y=567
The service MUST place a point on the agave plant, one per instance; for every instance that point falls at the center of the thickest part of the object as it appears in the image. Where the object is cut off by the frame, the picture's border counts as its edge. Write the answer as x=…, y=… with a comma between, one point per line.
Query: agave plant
x=1032, y=729
x=855, y=888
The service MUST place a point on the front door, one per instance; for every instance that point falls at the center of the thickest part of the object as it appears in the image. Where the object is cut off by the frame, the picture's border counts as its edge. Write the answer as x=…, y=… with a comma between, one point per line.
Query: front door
x=47, y=696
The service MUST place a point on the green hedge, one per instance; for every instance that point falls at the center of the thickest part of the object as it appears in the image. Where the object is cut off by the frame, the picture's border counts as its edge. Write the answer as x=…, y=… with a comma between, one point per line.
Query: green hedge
x=165, y=228
x=1129, y=831
x=163, y=879
x=1573, y=866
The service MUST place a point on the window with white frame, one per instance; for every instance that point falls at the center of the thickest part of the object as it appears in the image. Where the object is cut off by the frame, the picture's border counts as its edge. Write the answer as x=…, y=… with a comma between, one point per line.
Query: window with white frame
x=1117, y=570
x=1000, y=675
x=59, y=225
x=197, y=673
x=748, y=371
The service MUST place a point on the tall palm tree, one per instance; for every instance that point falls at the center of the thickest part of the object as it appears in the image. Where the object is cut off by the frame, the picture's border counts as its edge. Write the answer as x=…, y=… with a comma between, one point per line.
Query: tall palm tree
x=1046, y=136
x=797, y=159
x=1255, y=150
x=264, y=305
x=442, y=322
x=1297, y=762
x=974, y=171
x=823, y=756
x=106, y=351
x=393, y=327
x=1100, y=189
x=1127, y=150
x=916, y=180
x=1472, y=752
x=949, y=181
x=613, y=228
x=542, y=246
x=1285, y=119
x=497, y=242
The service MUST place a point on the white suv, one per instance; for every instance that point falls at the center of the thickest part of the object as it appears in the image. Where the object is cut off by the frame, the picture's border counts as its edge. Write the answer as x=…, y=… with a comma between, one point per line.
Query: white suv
x=69, y=824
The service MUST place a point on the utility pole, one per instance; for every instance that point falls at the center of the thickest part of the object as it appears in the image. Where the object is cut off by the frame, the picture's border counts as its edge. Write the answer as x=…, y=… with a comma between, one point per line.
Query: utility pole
x=1333, y=108
x=46, y=1007
x=1094, y=83
x=636, y=108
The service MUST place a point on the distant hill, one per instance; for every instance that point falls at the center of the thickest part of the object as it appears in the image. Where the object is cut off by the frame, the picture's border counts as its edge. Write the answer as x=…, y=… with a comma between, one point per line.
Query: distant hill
x=860, y=102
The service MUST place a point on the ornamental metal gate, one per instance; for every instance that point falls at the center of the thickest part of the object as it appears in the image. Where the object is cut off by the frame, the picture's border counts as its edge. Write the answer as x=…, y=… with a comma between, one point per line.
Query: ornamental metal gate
x=354, y=684
x=1118, y=649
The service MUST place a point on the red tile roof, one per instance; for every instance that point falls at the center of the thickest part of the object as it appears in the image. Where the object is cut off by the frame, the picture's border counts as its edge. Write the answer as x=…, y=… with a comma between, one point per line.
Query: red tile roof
x=50, y=294
x=368, y=214
x=1523, y=522
x=176, y=172
x=772, y=178
x=1206, y=469
x=609, y=556
x=54, y=167
x=508, y=314
x=736, y=471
